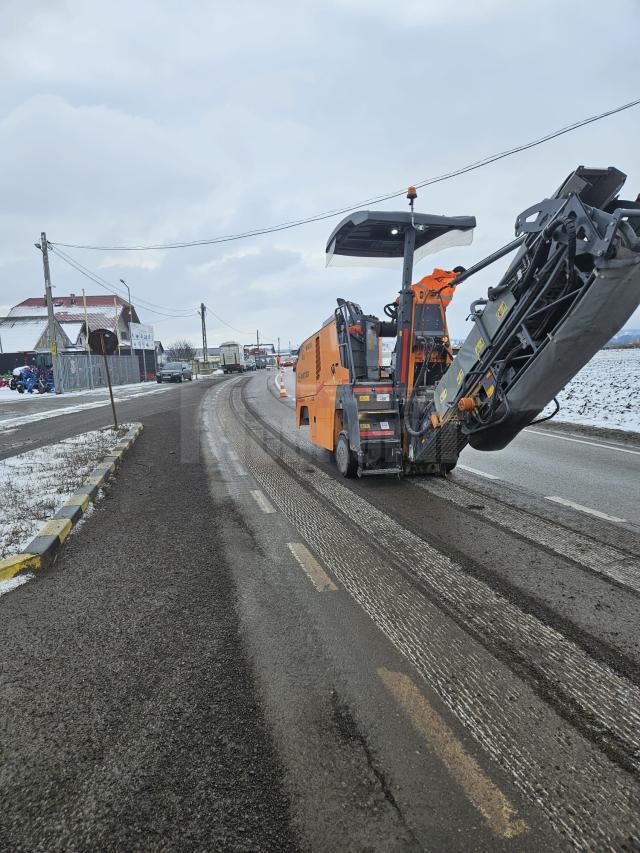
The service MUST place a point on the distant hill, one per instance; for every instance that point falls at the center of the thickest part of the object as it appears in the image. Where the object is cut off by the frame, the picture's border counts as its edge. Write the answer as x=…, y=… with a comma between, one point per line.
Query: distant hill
x=625, y=336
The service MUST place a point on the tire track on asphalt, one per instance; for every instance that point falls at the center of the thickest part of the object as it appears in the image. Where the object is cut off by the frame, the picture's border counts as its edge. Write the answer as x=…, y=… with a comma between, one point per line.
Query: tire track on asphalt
x=616, y=565
x=526, y=642
x=479, y=689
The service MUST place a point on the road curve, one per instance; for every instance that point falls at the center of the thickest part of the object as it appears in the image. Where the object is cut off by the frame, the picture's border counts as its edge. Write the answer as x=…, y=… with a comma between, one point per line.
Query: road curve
x=239, y=650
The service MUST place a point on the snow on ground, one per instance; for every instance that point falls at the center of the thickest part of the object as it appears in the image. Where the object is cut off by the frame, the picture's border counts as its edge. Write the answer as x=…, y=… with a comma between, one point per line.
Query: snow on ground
x=34, y=485
x=9, y=423
x=605, y=393
x=12, y=583
x=9, y=396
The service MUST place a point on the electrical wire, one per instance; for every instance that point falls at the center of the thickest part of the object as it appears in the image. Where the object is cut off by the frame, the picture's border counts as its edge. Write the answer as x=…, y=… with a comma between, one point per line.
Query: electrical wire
x=94, y=277
x=224, y=322
x=119, y=291
x=296, y=223
x=97, y=279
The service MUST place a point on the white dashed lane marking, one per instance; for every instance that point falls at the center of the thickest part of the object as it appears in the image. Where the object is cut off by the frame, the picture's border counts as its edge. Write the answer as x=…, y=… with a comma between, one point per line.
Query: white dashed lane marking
x=262, y=501
x=235, y=461
x=311, y=567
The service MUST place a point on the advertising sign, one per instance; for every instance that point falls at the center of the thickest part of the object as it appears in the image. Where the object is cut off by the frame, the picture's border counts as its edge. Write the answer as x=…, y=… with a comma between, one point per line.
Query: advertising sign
x=141, y=336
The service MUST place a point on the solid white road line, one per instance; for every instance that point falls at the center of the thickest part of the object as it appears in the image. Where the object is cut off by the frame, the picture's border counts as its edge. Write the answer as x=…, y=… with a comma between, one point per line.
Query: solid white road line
x=311, y=567
x=262, y=501
x=586, y=509
x=479, y=473
x=584, y=441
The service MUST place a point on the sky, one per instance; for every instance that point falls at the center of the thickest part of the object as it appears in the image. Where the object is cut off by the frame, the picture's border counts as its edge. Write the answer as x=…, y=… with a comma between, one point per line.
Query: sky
x=132, y=124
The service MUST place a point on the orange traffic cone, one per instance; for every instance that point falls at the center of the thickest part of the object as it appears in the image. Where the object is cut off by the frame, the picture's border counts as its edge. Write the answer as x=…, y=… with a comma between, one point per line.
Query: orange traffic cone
x=283, y=390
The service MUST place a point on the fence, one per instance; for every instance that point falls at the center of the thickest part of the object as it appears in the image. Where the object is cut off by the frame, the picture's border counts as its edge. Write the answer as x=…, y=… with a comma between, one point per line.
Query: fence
x=80, y=370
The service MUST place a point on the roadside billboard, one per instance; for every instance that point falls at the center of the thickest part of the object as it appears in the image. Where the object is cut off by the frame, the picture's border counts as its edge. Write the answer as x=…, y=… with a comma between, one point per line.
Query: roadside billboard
x=141, y=336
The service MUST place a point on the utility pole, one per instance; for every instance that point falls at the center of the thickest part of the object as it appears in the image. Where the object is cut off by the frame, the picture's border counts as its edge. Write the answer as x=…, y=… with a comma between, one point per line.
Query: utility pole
x=205, y=351
x=131, y=349
x=258, y=338
x=53, y=337
x=130, y=319
x=86, y=332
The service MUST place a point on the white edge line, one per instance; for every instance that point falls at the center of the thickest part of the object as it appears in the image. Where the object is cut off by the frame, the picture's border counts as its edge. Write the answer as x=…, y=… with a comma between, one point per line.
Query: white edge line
x=582, y=508
x=584, y=441
x=479, y=473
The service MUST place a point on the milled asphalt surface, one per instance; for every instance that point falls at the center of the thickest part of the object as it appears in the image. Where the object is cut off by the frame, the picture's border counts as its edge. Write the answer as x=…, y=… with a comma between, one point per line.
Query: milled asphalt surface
x=596, y=468
x=130, y=718
x=175, y=682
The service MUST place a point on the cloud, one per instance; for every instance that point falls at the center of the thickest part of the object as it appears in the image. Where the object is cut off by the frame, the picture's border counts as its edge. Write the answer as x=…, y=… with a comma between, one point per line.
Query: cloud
x=147, y=123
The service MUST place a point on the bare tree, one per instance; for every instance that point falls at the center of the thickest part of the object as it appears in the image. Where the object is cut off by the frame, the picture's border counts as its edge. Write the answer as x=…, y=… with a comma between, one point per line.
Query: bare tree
x=181, y=350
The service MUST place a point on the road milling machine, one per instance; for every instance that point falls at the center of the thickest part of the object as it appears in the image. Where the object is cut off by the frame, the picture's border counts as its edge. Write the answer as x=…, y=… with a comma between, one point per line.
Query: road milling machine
x=572, y=284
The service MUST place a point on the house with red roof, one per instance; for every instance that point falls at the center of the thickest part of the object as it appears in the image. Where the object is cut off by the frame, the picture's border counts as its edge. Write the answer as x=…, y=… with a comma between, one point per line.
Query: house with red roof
x=102, y=312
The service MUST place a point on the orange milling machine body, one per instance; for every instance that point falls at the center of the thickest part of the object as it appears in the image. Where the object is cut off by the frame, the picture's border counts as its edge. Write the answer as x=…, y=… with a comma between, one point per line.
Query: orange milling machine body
x=572, y=285
x=321, y=371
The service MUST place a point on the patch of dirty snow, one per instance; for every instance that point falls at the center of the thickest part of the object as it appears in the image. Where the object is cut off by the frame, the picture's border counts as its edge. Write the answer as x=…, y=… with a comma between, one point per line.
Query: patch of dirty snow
x=34, y=485
x=605, y=393
x=13, y=583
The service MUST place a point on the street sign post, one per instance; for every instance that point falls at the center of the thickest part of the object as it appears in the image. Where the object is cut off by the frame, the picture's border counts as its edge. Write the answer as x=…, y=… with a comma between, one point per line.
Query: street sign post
x=106, y=342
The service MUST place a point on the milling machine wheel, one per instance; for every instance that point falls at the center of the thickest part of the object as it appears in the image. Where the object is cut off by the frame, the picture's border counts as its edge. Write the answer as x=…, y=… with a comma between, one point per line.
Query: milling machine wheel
x=346, y=461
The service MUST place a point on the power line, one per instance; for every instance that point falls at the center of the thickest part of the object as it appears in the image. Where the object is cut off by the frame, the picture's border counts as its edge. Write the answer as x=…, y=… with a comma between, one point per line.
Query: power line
x=97, y=279
x=117, y=291
x=114, y=288
x=296, y=223
x=224, y=322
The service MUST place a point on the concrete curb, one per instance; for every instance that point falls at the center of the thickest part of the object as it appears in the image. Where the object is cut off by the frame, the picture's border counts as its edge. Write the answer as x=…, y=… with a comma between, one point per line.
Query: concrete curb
x=43, y=548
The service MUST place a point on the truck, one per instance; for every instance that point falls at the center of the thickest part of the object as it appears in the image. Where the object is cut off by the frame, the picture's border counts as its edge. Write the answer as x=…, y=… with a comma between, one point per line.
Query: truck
x=232, y=357
x=573, y=283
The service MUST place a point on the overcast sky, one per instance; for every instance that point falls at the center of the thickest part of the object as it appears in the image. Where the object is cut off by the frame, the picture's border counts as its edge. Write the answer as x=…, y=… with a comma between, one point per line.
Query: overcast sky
x=134, y=123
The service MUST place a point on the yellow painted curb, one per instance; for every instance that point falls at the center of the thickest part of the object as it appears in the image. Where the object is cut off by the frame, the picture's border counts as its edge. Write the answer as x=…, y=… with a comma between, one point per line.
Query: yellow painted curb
x=60, y=527
x=11, y=566
x=78, y=500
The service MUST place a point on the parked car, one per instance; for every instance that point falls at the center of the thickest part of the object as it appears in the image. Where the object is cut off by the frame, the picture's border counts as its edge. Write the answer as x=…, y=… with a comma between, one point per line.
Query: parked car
x=174, y=371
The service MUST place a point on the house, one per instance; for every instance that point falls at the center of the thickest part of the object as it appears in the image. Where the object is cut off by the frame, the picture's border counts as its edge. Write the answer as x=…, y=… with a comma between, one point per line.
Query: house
x=213, y=355
x=160, y=357
x=24, y=338
x=102, y=312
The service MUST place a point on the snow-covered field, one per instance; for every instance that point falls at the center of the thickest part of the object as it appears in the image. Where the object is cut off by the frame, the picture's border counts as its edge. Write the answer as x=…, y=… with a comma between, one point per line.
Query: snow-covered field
x=34, y=485
x=606, y=392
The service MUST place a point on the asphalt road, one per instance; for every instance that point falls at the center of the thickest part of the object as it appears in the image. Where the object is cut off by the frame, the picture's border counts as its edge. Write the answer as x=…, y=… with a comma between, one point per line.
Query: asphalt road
x=597, y=473
x=597, y=470
x=239, y=651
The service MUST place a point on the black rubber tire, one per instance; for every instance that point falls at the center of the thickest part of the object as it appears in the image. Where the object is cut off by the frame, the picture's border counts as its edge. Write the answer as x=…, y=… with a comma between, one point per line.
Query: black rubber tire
x=346, y=462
